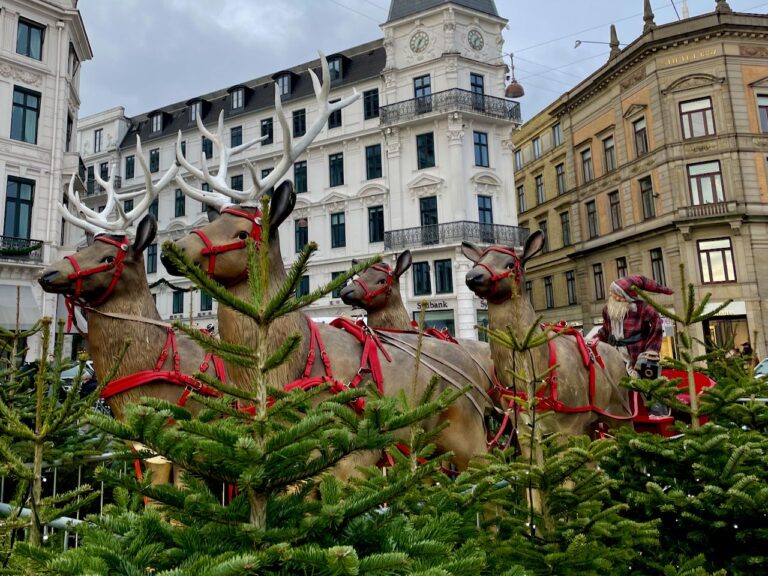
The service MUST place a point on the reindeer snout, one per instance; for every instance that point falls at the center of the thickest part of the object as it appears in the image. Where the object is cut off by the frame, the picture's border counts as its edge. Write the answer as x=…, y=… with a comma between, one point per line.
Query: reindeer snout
x=47, y=278
x=347, y=293
x=474, y=279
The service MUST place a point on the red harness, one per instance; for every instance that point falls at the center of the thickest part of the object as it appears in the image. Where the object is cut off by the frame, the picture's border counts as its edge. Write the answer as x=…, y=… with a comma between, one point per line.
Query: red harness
x=211, y=250
x=387, y=287
x=517, y=268
x=117, y=264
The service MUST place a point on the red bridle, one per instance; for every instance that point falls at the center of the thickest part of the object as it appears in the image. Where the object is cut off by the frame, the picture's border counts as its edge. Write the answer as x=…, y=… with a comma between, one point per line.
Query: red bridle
x=211, y=250
x=117, y=264
x=371, y=294
x=495, y=278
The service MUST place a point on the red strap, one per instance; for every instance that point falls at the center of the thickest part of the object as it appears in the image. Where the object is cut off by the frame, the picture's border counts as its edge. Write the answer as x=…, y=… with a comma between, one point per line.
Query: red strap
x=369, y=295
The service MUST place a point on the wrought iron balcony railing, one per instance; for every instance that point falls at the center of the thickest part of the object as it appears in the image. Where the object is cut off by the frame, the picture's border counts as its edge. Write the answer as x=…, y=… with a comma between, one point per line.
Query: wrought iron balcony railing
x=453, y=100
x=454, y=233
x=24, y=249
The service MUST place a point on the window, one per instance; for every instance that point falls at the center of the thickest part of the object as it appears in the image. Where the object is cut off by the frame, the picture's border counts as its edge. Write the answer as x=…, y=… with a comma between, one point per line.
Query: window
x=529, y=291
x=334, y=68
x=422, y=92
x=485, y=219
x=599, y=282
x=336, y=169
x=697, y=118
x=207, y=147
x=154, y=209
x=477, y=87
x=430, y=233
x=482, y=320
x=265, y=172
x=647, y=198
x=157, y=123
x=586, y=165
x=284, y=84
x=336, y=293
x=716, y=261
x=19, y=197
x=706, y=183
x=236, y=182
x=29, y=39
x=267, y=130
x=557, y=135
x=97, y=139
x=299, y=122
x=609, y=152
x=194, y=110
x=641, y=137
x=179, y=204
x=481, y=149
x=549, y=293
x=128, y=205
x=205, y=188
x=373, y=161
x=657, y=266
x=301, y=234
x=592, y=224
x=560, y=175
x=178, y=302
x=762, y=111
x=615, y=206
x=303, y=288
x=565, y=227
x=334, y=120
x=425, y=150
x=544, y=230
x=237, y=98
x=154, y=160
x=90, y=181
x=536, y=145
x=371, y=104
x=338, y=230
x=521, y=207
x=539, y=180
x=621, y=267
x=376, y=224
x=443, y=276
x=570, y=286
x=518, y=159
x=26, y=110
x=206, y=302
x=70, y=124
x=130, y=162
x=300, y=176
x=104, y=171
x=236, y=136
x=421, y=281
x=184, y=148
x=151, y=258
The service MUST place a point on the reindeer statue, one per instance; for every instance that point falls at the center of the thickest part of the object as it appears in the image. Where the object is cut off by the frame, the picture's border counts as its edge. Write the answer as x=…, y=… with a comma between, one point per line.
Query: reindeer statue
x=583, y=392
x=238, y=217
x=107, y=279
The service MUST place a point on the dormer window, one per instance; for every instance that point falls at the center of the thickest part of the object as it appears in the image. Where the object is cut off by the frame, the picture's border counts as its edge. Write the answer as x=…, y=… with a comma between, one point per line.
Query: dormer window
x=157, y=122
x=237, y=98
x=194, y=110
x=334, y=67
x=284, y=84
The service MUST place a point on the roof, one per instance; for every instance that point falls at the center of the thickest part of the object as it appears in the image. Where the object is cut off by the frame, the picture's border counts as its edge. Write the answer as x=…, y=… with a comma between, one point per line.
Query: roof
x=361, y=63
x=403, y=8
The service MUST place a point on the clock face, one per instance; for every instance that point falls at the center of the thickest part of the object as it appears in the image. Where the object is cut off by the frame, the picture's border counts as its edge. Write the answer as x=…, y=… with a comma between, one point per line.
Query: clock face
x=475, y=40
x=419, y=41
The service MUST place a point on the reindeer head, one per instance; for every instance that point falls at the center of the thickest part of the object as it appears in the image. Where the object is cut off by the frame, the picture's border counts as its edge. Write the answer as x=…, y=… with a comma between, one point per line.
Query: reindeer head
x=219, y=247
x=110, y=264
x=372, y=289
x=498, y=270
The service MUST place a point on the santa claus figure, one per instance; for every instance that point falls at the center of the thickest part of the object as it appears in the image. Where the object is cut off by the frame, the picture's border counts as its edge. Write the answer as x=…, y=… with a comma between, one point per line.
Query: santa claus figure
x=630, y=324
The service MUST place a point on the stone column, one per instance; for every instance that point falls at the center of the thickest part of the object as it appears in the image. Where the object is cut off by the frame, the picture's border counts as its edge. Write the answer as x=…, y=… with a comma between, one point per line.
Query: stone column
x=455, y=176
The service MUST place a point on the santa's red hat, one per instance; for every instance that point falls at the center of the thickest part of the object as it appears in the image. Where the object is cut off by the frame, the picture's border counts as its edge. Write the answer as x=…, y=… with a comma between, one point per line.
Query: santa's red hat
x=624, y=286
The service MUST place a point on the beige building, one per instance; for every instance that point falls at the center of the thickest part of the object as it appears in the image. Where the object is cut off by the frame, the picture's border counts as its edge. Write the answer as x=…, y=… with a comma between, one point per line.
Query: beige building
x=657, y=159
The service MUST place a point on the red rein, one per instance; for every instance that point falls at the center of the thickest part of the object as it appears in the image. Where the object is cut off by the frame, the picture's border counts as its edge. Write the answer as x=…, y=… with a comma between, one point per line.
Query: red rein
x=211, y=250
x=371, y=294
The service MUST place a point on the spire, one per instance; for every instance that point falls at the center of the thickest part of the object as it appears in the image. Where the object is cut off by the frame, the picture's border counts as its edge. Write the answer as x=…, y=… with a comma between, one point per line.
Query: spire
x=648, y=23
x=722, y=7
x=614, y=43
x=686, y=15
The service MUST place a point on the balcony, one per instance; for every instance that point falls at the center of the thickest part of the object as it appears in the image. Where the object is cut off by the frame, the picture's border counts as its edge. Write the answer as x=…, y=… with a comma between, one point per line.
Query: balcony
x=454, y=233
x=21, y=249
x=712, y=209
x=454, y=100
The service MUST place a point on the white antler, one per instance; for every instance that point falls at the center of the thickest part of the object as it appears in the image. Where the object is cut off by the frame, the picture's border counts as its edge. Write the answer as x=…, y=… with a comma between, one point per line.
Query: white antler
x=97, y=222
x=221, y=194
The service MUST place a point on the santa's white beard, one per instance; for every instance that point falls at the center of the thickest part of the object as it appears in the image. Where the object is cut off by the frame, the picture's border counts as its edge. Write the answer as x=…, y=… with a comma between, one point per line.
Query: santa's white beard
x=617, y=312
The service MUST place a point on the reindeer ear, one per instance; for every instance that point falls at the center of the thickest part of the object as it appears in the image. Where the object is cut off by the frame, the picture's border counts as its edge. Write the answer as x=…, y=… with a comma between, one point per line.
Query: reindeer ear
x=403, y=263
x=212, y=213
x=533, y=246
x=89, y=238
x=470, y=251
x=145, y=233
x=283, y=201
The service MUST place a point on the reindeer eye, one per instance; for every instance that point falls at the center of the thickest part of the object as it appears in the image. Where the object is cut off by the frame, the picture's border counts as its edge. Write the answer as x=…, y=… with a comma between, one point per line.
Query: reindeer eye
x=511, y=264
x=382, y=281
x=243, y=235
x=108, y=259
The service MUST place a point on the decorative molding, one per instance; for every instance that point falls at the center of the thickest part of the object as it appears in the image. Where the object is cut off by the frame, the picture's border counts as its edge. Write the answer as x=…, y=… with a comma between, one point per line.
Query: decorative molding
x=752, y=51
x=762, y=83
x=632, y=78
x=15, y=73
x=332, y=207
x=641, y=166
x=486, y=183
x=300, y=213
x=634, y=110
x=760, y=142
x=425, y=185
x=701, y=146
x=690, y=82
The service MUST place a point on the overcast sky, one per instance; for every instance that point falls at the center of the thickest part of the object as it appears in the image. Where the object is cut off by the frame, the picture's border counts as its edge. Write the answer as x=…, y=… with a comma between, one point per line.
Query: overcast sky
x=150, y=53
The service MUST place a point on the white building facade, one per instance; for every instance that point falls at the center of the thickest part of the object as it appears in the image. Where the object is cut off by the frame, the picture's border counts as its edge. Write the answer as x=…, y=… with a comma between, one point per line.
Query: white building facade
x=42, y=44
x=422, y=161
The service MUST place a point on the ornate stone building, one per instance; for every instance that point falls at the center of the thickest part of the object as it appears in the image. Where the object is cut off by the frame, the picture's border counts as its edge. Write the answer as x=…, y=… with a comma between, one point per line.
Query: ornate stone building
x=41, y=47
x=422, y=161
x=657, y=159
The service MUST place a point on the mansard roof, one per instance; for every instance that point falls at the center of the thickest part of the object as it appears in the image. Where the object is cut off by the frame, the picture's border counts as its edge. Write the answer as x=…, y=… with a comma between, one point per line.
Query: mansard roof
x=404, y=8
x=362, y=62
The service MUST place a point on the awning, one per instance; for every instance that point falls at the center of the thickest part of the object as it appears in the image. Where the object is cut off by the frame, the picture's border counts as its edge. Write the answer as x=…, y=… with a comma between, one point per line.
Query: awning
x=21, y=298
